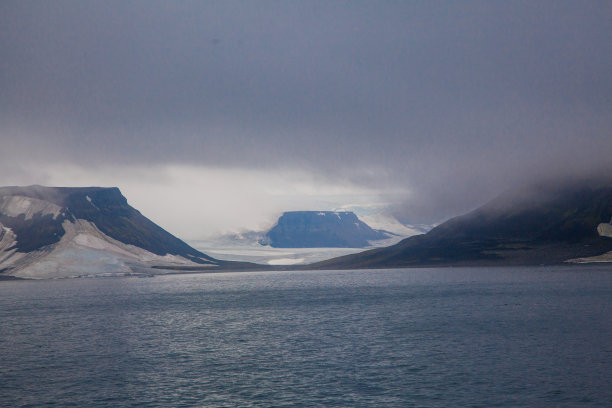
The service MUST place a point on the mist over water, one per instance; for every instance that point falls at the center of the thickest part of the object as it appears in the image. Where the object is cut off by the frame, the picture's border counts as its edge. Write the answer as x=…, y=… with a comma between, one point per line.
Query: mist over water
x=480, y=337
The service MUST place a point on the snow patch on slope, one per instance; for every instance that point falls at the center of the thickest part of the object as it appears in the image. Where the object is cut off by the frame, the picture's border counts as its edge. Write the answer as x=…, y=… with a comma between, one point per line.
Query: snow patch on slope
x=86, y=251
x=388, y=223
x=7, y=240
x=14, y=206
x=91, y=202
x=603, y=258
x=604, y=230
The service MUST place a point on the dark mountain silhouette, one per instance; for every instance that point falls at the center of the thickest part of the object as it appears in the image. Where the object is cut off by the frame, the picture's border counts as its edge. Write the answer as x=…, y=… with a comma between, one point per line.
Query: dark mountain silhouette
x=542, y=224
x=321, y=229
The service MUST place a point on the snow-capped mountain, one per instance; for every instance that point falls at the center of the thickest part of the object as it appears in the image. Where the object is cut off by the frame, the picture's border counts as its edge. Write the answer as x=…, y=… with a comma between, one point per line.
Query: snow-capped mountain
x=49, y=232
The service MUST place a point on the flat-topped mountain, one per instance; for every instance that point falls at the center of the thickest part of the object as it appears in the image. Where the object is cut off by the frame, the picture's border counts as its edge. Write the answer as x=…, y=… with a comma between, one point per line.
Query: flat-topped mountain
x=67, y=231
x=540, y=225
x=321, y=229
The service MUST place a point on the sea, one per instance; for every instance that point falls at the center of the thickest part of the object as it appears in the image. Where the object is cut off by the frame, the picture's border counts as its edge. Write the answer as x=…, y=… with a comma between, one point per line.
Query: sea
x=447, y=337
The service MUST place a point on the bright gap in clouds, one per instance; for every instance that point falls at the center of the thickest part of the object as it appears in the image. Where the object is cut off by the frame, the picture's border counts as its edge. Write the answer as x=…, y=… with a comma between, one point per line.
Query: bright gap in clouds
x=195, y=202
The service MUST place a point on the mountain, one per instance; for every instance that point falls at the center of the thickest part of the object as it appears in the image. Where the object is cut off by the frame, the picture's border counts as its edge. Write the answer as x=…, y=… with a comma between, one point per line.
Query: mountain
x=65, y=231
x=321, y=229
x=543, y=224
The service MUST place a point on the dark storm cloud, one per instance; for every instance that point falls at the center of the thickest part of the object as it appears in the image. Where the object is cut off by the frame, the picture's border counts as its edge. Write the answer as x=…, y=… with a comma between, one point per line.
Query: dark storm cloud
x=455, y=100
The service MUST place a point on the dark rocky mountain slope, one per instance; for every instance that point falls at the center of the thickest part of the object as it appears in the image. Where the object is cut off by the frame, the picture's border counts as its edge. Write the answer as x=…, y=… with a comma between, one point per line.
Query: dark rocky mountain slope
x=543, y=224
x=107, y=208
x=66, y=231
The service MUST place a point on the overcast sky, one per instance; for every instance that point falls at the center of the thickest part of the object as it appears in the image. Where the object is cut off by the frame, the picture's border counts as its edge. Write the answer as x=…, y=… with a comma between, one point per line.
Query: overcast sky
x=212, y=116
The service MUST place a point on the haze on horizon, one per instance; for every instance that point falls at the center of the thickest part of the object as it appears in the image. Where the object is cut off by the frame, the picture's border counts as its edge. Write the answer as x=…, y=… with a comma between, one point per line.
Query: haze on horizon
x=214, y=116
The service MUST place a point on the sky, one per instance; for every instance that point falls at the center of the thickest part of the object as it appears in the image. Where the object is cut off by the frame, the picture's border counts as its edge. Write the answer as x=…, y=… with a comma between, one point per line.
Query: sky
x=216, y=116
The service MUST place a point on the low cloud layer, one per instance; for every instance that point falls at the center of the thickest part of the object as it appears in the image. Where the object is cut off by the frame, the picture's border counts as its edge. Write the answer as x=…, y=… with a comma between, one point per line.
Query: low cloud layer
x=451, y=101
x=197, y=202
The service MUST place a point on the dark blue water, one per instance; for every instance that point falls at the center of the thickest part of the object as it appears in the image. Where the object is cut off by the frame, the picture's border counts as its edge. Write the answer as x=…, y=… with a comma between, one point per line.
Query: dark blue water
x=498, y=337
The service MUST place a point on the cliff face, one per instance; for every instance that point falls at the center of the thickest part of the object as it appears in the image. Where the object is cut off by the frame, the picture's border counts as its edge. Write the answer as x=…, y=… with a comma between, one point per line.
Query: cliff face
x=319, y=229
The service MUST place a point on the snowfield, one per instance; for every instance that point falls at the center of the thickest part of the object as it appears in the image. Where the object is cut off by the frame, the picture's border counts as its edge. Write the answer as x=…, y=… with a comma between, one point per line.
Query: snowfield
x=229, y=248
x=604, y=230
x=83, y=251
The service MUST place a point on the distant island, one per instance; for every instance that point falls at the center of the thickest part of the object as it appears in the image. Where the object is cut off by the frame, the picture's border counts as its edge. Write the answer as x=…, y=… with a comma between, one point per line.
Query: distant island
x=321, y=229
